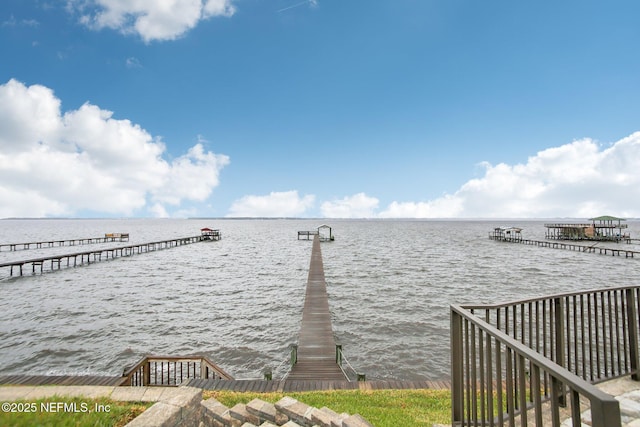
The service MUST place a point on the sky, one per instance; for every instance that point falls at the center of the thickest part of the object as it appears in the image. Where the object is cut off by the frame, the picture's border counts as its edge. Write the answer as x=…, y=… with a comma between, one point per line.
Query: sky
x=319, y=108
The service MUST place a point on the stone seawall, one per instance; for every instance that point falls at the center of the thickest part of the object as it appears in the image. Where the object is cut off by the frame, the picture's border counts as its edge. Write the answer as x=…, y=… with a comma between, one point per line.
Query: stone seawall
x=187, y=409
x=184, y=407
x=286, y=412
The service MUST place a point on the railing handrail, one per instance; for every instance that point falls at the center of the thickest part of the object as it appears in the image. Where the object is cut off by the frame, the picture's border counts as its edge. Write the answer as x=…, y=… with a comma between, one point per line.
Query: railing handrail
x=577, y=383
x=340, y=358
x=544, y=298
x=605, y=409
x=128, y=372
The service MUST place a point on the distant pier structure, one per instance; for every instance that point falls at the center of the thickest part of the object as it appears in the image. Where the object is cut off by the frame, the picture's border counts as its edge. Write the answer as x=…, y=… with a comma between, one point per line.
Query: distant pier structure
x=210, y=235
x=324, y=233
x=108, y=237
x=602, y=228
x=506, y=233
x=55, y=261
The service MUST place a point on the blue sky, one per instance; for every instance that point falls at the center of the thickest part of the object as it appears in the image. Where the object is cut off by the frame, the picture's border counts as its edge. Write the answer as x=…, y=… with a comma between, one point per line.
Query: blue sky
x=325, y=108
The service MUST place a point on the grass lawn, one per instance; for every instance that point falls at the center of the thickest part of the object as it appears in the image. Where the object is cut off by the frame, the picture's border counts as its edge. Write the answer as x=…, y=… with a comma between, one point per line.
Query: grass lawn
x=382, y=408
x=69, y=411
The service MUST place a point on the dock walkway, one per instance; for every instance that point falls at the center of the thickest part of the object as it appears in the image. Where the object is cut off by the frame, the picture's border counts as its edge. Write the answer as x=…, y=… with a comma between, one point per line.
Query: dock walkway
x=55, y=262
x=108, y=238
x=316, y=349
x=569, y=246
x=258, y=386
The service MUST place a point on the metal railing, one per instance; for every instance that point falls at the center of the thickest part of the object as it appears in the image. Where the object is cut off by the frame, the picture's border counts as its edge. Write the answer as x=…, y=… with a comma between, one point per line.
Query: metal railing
x=172, y=370
x=347, y=369
x=509, y=358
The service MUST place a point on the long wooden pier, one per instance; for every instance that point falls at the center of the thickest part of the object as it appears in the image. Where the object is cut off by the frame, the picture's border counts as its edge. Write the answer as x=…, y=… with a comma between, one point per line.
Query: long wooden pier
x=108, y=238
x=568, y=246
x=56, y=262
x=316, y=354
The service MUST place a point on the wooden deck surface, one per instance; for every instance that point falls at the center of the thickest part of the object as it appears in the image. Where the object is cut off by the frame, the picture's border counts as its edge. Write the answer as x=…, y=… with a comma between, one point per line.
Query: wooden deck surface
x=285, y=386
x=257, y=386
x=316, y=345
x=61, y=380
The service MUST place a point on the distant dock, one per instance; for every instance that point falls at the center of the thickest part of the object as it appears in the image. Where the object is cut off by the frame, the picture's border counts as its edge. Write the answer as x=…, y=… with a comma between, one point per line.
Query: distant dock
x=108, y=238
x=602, y=228
x=512, y=235
x=324, y=233
x=56, y=262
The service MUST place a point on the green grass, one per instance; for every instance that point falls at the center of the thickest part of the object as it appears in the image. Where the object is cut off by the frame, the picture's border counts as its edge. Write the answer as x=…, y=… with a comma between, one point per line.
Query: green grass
x=382, y=408
x=70, y=411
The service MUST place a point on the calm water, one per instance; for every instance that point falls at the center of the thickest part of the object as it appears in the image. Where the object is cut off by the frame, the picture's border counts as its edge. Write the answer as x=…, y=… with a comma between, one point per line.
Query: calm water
x=240, y=300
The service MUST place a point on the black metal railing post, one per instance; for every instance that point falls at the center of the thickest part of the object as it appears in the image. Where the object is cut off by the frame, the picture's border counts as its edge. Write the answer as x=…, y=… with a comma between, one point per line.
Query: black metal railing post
x=558, y=309
x=632, y=322
x=457, y=375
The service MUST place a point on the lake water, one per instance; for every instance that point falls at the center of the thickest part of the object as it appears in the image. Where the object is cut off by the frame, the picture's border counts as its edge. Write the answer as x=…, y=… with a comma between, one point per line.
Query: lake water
x=239, y=300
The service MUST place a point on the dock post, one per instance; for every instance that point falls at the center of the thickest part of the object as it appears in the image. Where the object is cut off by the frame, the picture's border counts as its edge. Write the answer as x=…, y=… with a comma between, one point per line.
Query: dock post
x=268, y=375
x=146, y=373
x=339, y=354
x=294, y=354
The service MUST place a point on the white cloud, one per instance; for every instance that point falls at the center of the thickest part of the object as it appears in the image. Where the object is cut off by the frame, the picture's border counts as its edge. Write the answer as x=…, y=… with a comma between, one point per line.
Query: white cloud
x=85, y=160
x=151, y=19
x=133, y=62
x=357, y=206
x=12, y=22
x=579, y=179
x=275, y=204
x=444, y=207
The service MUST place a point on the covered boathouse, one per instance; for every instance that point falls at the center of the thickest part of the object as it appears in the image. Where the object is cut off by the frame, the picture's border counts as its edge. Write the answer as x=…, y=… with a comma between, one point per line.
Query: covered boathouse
x=209, y=234
x=602, y=228
x=507, y=233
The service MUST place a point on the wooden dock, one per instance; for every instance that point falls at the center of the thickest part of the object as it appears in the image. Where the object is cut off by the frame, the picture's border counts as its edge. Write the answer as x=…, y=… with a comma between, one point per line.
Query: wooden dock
x=286, y=386
x=97, y=380
x=568, y=246
x=108, y=238
x=316, y=357
x=257, y=386
x=56, y=262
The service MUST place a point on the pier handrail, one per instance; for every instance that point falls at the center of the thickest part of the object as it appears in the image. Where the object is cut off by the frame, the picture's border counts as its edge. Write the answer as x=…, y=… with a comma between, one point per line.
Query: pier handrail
x=340, y=358
x=268, y=373
x=145, y=371
x=482, y=386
